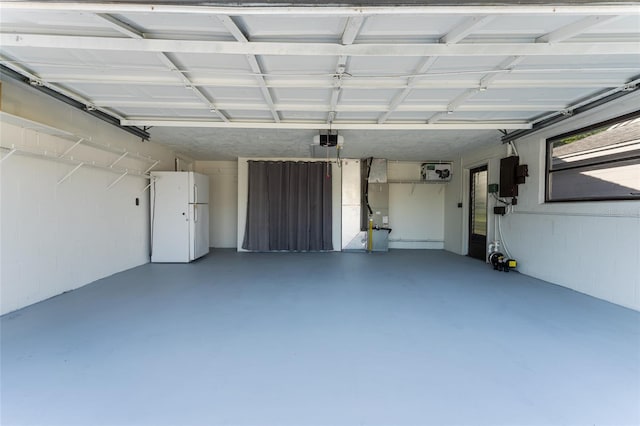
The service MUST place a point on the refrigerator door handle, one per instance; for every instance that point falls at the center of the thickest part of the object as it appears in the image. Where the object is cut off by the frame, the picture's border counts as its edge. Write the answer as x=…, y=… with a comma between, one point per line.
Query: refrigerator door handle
x=195, y=193
x=195, y=213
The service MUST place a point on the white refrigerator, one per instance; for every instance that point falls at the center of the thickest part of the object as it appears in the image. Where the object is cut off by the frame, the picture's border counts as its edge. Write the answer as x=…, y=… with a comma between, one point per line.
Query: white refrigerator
x=179, y=216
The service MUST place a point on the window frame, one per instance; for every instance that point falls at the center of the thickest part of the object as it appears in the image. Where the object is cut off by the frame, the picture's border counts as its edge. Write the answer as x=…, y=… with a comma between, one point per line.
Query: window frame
x=549, y=152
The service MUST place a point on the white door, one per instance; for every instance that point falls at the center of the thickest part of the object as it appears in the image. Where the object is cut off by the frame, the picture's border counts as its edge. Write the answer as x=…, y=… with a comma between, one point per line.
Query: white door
x=169, y=217
x=199, y=229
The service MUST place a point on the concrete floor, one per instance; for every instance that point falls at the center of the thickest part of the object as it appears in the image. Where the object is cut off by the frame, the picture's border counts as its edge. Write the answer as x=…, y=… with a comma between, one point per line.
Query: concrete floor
x=402, y=338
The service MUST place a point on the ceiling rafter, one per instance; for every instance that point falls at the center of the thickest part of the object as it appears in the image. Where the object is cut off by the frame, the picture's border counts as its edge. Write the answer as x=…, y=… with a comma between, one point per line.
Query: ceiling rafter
x=239, y=35
x=198, y=92
x=120, y=26
x=354, y=83
x=318, y=125
x=317, y=49
x=454, y=35
x=136, y=34
x=351, y=30
x=515, y=9
x=505, y=65
x=558, y=35
x=424, y=66
x=575, y=28
x=246, y=106
x=467, y=27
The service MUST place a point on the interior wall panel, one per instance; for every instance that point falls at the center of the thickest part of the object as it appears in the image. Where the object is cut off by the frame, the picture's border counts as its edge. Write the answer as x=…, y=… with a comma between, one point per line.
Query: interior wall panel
x=590, y=247
x=58, y=237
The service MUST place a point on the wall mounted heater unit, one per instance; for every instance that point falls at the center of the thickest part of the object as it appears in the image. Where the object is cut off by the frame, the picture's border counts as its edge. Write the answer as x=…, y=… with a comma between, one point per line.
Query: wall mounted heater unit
x=435, y=172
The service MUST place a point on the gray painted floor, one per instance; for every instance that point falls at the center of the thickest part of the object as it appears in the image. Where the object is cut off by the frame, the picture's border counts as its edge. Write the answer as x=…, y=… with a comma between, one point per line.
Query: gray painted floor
x=402, y=338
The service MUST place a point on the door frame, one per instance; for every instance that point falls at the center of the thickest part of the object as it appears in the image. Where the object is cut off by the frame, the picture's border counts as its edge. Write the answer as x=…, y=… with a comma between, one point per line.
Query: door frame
x=467, y=214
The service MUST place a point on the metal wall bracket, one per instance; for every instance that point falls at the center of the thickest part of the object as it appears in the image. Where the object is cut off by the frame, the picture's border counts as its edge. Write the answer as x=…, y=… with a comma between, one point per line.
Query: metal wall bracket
x=119, y=158
x=118, y=179
x=68, y=175
x=9, y=154
x=68, y=150
x=151, y=167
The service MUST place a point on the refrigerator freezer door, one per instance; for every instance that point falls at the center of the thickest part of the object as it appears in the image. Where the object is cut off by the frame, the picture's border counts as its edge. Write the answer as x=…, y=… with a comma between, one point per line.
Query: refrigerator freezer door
x=199, y=230
x=199, y=188
x=169, y=217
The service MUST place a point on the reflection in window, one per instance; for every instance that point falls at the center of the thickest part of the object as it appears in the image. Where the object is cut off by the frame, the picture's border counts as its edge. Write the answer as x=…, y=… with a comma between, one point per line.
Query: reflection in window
x=601, y=162
x=479, y=203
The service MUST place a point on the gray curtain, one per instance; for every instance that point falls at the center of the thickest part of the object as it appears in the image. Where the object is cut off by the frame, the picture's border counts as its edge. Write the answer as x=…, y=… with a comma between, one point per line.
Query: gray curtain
x=289, y=206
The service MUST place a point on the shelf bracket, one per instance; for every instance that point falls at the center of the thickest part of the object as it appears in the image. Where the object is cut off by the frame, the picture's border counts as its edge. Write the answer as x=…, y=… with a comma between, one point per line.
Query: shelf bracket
x=118, y=179
x=152, y=166
x=71, y=147
x=75, y=169
x=146, y=187
x=118, y=159
x=9, y=154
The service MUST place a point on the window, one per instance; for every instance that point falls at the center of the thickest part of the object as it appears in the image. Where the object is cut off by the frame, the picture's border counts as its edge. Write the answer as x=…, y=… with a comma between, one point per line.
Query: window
x=600, y=162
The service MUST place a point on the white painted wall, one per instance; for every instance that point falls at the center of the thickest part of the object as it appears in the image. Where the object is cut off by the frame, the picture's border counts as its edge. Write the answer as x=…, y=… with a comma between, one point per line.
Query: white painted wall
x=591, y=247
x=223, y=201
x=55, y=238
x=416, y=211
x=453, y=223
x=243, y=192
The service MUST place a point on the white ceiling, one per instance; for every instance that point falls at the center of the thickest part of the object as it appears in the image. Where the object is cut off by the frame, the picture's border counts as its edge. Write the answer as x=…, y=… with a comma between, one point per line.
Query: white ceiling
x=410, y=82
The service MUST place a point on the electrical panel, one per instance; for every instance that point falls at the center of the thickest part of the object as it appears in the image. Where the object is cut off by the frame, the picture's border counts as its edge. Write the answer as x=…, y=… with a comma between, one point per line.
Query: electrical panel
x=435, y=172
x=508, y=183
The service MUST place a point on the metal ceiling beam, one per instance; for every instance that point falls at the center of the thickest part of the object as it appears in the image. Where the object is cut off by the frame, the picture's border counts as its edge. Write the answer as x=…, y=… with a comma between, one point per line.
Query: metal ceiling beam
x=317, y=125
x=237, y=33
x=454, y=35
x=424, y=66
x=317, y=49
x=354, y=83
x=574, y=29
x=120, y=26
x=352, y=29
x=349, y=34
x=134, y=33
x=468, y=26
x=462, y=9
x=198, y=92
x=301, y=107
x=456, y=103
x=506, y=66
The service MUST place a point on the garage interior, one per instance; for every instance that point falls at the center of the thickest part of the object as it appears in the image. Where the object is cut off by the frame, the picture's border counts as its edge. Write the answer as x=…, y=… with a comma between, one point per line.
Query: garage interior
x=457, y=142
